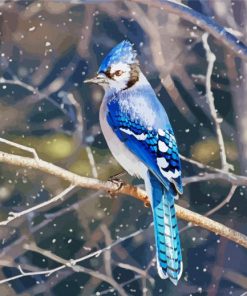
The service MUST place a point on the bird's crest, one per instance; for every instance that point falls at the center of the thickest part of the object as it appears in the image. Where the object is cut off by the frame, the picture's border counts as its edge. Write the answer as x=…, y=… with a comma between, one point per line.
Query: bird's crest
x=123, y=52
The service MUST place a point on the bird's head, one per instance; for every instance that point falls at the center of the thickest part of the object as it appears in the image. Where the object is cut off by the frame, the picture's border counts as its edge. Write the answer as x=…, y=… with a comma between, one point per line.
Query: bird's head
x=119, y=70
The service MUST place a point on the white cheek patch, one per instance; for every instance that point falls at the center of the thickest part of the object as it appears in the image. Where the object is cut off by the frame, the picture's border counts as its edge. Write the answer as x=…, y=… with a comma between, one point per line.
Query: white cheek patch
x=125, y=68
x=123, y=77
x=120, y=66
x=120, y=82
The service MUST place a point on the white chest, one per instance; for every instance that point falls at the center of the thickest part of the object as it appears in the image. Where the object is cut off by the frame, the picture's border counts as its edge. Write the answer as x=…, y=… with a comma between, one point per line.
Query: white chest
x=120, y=152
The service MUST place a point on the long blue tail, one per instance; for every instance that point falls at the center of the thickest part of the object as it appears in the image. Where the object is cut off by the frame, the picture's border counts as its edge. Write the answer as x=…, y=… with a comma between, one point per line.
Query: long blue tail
x=168, y=249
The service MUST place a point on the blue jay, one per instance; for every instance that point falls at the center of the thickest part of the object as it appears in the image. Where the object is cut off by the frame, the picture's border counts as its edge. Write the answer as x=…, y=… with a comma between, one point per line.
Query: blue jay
x=140, y=137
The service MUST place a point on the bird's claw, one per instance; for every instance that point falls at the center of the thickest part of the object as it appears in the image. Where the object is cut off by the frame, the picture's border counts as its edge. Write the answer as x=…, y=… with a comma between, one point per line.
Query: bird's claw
x=147, y=204
x=116, y=181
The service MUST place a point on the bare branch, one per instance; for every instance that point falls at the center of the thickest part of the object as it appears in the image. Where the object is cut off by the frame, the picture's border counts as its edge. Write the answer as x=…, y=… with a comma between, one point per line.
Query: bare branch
x=92, y=162
x=231, y=178
x=23, y=274
x=14, y=215
x=107, y=254
x=216, y=208
x=199, y=164
x=224, y=202
x=234, y=277
x=77, y=268
x=202, y=21
x=127, y=189
x=211, y=225
x=67, y=98
x=71, y=263
x=20, y=83
x=209, y=94
x=72, y=178
x=137, y=270
x=135, y=278
x=22, y=147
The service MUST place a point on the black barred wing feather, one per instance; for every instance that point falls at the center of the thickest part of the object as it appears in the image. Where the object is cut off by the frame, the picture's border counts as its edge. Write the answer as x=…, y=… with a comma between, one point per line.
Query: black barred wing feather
x=157, y=148
x=167, y=157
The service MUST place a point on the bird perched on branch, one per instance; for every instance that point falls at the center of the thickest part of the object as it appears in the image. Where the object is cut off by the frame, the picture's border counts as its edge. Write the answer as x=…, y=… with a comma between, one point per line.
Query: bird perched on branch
x=140, y=137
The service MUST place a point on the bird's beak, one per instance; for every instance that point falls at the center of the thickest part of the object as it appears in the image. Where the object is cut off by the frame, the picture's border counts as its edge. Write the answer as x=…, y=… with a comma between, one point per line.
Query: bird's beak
x=91, y=80
x=98, y=79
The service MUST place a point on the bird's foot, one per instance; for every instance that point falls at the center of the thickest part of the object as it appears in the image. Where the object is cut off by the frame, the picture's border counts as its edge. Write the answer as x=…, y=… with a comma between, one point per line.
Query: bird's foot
x=147, y=204
x=120, y=183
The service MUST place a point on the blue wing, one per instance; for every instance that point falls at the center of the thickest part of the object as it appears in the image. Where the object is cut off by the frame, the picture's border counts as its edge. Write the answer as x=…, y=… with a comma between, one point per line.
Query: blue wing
x=155, y=147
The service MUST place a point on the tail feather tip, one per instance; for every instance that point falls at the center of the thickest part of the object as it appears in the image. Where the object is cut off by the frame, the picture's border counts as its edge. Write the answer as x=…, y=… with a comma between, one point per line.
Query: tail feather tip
x=164, y=275
x=161, y=272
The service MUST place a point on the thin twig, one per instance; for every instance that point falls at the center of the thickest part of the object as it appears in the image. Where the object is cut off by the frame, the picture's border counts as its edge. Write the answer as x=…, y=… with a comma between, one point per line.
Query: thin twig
x=77, y=268
x=107, y=291
x=202, y=21
x=92, y=161
x=13, y=215
x=23, y=274
x=67, y=263
x=137, y=270
x=202, y=177
x=216, y=208
x=210, y=97
x=22, y=147
x=224, y=202
x=222, y=34
x=20, y=83
x=45, y=94
x=71, y=263
x=107, y=254
x=199, y=164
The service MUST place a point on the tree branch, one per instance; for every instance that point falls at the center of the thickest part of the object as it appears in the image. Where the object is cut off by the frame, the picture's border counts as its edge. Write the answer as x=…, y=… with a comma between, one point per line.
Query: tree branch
x=77, y=268
x=74, y=179
x=15, y=215
x=71, y=262
x=210, y=97
x=202, y=21
x=126, y=189
x=224, y=201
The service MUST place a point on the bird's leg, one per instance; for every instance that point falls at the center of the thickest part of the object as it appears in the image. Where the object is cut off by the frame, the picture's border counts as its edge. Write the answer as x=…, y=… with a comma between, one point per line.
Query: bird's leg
x=117, y=181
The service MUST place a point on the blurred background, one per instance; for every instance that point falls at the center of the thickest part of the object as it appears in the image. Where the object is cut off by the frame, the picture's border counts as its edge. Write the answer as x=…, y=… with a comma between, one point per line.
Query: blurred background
x=47, y=49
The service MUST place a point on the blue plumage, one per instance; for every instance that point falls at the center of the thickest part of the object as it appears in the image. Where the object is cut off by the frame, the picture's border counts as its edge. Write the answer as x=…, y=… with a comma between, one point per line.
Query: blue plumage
x=123, y=53
x=166, y=231
x=139, y=135
x=122, y=119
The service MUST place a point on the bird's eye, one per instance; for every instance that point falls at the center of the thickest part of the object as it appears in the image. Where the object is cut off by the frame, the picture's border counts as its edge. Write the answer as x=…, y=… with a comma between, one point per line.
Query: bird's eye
x=118, y=73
